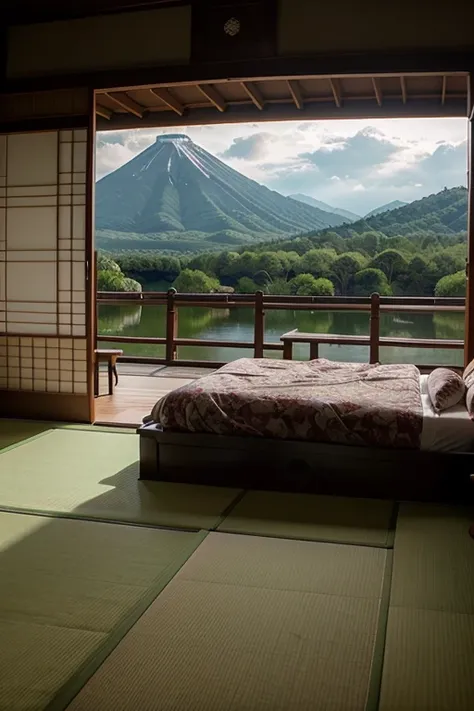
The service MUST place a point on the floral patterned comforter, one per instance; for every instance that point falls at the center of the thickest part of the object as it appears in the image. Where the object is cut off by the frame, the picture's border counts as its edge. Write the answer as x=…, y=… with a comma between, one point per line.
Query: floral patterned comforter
x=317, y=401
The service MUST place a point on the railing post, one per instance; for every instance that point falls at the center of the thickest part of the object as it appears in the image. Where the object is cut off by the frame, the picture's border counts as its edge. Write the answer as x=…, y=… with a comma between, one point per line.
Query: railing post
x=171, y=326
x=259, y=331
x=374, y=328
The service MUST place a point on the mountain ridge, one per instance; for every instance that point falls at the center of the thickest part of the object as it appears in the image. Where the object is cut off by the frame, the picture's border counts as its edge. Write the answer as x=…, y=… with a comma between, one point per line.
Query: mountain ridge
x=175, y=187
x=388, y=207
x=301, y=197
x=442, y=214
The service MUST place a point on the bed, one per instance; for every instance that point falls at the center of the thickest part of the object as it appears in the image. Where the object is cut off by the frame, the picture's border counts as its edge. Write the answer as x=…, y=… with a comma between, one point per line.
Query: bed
x=315, y=426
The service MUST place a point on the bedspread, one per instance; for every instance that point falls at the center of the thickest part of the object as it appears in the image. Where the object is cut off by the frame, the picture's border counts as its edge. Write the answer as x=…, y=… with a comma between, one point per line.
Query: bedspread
x=318, y=400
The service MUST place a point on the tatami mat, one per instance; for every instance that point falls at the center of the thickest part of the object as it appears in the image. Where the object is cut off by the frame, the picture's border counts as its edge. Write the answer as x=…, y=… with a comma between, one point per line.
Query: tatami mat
x=433, y=564
x=428, y=663
x=311, y=517
x=249, y=624
x=95, y=475
x=429, y=651
x=14, y=431
x=69, y=590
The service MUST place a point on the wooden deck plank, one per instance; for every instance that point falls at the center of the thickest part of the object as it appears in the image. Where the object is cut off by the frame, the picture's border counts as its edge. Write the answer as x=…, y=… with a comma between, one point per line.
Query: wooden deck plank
x=133, y=399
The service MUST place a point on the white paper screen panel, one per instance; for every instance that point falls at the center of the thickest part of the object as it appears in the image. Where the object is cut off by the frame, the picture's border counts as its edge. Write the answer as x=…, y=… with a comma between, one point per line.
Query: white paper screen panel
x=42, y=233
x=51, y=365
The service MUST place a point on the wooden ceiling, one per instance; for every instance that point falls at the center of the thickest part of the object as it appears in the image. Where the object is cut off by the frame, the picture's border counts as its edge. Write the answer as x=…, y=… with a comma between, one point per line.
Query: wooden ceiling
x=280, y=98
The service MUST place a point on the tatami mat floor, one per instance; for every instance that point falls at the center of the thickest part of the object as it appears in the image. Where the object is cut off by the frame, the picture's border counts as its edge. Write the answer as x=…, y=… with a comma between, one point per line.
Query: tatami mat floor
x=120, y=595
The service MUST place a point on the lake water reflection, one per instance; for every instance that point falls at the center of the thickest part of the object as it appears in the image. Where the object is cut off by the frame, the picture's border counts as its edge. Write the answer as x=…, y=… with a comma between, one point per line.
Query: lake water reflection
x=237, y=324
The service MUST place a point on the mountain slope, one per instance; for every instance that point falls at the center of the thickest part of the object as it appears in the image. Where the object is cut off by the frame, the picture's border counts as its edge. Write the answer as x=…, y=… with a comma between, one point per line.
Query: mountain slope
x=349, y=216
x=176, y=188
x=443, y=213
x=440, y=214
x=394, y=205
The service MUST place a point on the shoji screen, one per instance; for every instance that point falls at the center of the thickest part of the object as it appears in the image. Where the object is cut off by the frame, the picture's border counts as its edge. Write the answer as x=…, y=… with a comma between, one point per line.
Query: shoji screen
x=43, y=329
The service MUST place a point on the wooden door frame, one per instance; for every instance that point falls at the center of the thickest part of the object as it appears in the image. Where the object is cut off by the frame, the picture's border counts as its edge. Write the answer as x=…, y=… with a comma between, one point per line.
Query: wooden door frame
x=91, y=283
x=456, y=60
x=469, y=313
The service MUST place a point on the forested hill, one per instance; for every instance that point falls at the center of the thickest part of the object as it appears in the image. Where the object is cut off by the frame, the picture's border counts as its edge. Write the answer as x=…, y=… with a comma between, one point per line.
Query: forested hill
x=443, y=213
x=178, y=197
x=394, y=205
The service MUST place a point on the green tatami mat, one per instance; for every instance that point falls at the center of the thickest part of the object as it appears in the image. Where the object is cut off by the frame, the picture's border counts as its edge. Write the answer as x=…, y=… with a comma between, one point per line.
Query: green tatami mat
x=433, y=563
x=14, y=431
x=251, y=624
x=69, y=591
x=429, y=651
x=311, y=517
x=428, y=662
x=95, y=475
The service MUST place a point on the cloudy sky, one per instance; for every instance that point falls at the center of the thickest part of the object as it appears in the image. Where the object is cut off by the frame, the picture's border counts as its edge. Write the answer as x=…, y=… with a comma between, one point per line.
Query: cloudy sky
x=352, y=164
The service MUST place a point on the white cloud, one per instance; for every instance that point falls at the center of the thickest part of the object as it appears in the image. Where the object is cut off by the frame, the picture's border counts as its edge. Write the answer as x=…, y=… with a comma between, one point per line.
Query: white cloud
x=349, y=163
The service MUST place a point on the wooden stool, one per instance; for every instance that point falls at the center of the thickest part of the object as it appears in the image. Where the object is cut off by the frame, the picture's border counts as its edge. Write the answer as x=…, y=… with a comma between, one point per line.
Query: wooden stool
x=109, y=357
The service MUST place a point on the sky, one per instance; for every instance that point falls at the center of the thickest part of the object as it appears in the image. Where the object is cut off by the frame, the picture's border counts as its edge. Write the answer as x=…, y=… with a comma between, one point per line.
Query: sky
x=357, y=165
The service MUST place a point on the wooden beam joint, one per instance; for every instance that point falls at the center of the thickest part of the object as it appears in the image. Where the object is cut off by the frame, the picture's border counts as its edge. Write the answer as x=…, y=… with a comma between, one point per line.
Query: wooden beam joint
x=295, y=92
x=122, y=99
x=377, y=90
x=336, y=91
x=253, y=92
x=167, y=98
x=103, y=112
x=443, y=90
x=404, y=89
x=213, y=96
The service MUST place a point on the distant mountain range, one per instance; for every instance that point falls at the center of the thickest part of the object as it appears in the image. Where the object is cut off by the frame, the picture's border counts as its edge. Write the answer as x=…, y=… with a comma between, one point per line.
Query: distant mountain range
x=394, y=205
x=348, y=216
x=177, y=196
x=443, y=213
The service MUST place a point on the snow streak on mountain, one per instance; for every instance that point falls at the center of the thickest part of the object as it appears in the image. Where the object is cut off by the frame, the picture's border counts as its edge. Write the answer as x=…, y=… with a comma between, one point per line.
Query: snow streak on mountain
x=175, y=186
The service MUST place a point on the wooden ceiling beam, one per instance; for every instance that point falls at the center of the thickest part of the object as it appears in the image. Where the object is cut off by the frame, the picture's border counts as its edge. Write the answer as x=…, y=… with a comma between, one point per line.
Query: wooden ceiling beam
x=125, y=102
x=167, y=98
x=213, y=96
x=443, y=90
x=404, y=89
x=103, y=112
x=295, y=92
x=253, y=92
x=377, y=90
x=336, y=91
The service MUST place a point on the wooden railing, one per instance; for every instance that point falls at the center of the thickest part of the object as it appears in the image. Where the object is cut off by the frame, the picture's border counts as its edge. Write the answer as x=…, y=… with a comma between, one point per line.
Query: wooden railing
x=260, y=303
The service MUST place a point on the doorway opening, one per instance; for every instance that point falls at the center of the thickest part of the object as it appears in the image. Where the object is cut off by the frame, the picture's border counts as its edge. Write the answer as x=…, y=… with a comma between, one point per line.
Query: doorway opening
x=160, y=136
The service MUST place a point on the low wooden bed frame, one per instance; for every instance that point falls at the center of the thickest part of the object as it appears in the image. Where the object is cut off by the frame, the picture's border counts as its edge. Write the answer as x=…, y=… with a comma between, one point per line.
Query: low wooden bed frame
x=282, y=465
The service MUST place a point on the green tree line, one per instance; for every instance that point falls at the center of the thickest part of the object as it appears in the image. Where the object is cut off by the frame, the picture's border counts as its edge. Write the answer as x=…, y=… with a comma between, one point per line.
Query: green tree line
x=410, y=266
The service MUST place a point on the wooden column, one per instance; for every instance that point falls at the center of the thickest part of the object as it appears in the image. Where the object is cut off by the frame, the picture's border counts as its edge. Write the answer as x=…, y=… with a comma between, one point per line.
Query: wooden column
x=259, y=332
x=374, y=328
x=469, y=314
x=171, y=323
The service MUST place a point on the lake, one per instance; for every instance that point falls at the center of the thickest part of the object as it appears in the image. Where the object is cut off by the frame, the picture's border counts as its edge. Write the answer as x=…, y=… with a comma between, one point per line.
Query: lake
x=237, y=324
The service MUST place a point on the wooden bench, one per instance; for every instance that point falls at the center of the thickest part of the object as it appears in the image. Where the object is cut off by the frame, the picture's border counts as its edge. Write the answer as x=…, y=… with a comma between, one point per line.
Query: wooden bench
x=314, y=339
x=109, y=357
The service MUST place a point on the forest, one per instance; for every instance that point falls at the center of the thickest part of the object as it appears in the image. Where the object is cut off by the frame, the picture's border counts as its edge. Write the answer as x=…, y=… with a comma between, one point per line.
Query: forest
x=416, y=250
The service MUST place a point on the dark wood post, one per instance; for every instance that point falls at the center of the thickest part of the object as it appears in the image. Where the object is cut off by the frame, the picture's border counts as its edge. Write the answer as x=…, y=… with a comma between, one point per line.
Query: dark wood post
x=95, y=325
x=374, y=328
x=287, y=350
x=313, y=350
x=469, y=308
x=171, y=323
x=259, y=332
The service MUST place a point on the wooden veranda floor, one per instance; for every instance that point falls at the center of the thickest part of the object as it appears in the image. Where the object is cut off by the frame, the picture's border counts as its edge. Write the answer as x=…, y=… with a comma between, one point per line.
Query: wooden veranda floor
x=138, y=389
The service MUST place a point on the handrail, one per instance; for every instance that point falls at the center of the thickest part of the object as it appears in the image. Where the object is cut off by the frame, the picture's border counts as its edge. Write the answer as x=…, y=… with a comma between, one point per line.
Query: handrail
x=261, y=303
